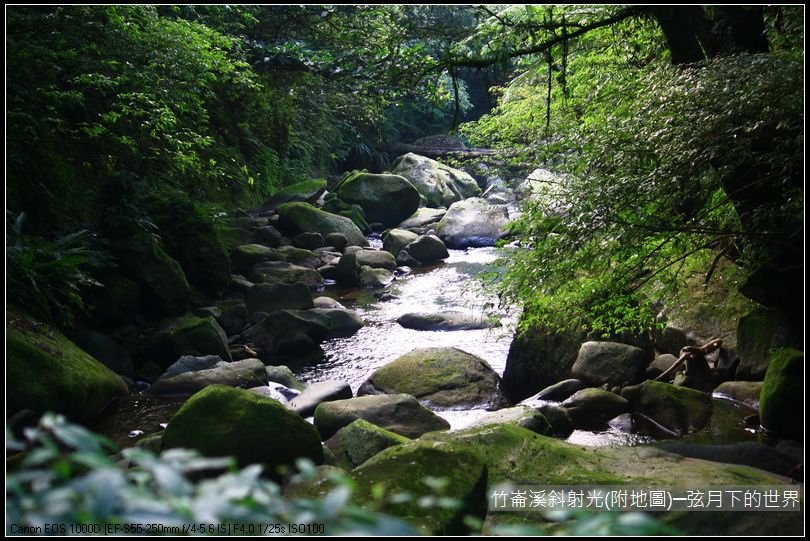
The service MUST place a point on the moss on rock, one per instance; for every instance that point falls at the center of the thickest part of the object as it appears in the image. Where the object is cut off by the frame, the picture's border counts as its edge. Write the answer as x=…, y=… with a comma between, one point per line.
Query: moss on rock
x=781, y=405
x=678, y=409
x=387, y=199
x=47, y=372
x=188, y=335
x=441, y=377
x=224, y=421
x=295, y=218
x=360, y=440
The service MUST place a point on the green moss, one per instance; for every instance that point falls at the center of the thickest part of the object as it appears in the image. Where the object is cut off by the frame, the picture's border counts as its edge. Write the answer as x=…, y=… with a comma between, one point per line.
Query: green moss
x=387, y=199
x=187, y=335
x=306, y=189
x=298, y=218
x=680, y=409
x=245, y=256
x=359, y=441
x=47, y=372
x=464, y=478
x=781, y=404
x=161, y=275
x=296, y=255
x=444, y=377
x=223, y=421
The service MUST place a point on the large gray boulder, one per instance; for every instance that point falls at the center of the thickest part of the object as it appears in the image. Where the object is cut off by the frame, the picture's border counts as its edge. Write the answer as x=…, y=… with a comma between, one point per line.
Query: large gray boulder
x=360, y=440
x=473, y=223
x=679, y=410
x=245, y=374
x=344, y=322
x=386, y=199
x=399, y=413
x=351, y=265
x=539, y=357
x=439, y=377
x=610, y=362
x=245, y=256
x=427, y=249
x=522, y=416
x=187, y=335
x=223, y=421
x=324, y=391
x=423, y=217
x=443, y=321
x=161, y=277
x=397, y=239
x=295, y=218
x=438, y=185
x=288, y=331
x=280, y=272
x=593, y=408
x=271, y=297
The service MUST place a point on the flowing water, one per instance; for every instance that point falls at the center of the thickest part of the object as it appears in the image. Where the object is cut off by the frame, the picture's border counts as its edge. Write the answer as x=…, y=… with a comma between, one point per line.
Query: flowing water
x=454, y=285
x=451, y=286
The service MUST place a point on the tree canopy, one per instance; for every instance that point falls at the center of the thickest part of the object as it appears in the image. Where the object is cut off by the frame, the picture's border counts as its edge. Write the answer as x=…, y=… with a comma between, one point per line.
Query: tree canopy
x=678, y=130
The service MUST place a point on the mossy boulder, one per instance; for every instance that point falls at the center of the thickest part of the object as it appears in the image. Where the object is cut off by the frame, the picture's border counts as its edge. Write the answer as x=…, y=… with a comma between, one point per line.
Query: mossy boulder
x=343, y=322
x=781, y=404
x=281, y=272
x=386, y=199
x=245, y=256
x=742, y=391
x=427, y=249
x=360, y=440
x=593, y=408
x=516, y=456
x=283, y=375
x=400, y=413
x=203, y=257
x=522, y=416
x=372, y=278
x=610, y=362
x=397, y=239
x=758, y=332
x=679, y=410
x=288, y=331
x=266, y=236
x=224, y=421
x=301, y=256
x=353, y=212
x=423, y=217
x=439, y=377
x=245, y=374
x=438, y=185
x=188, y=335
x=47, y=372
x=473, y=223
x=429, y=473
x=295, y=218
x=271, y=297
x=306, y=191
x=163, y=280
x=539, y=357
x=376, y=259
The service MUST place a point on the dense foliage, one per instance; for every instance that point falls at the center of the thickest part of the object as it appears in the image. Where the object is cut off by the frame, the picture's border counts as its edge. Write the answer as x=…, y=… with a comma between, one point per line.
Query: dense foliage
x=65, y=477
x=666, y=170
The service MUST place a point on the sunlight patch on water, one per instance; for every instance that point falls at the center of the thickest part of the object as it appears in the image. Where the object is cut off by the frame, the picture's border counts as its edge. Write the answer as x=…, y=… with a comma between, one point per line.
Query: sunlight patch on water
x=454, y=285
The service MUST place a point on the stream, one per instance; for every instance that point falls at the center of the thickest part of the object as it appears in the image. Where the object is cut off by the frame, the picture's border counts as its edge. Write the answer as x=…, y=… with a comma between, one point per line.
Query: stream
x=454, y=285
